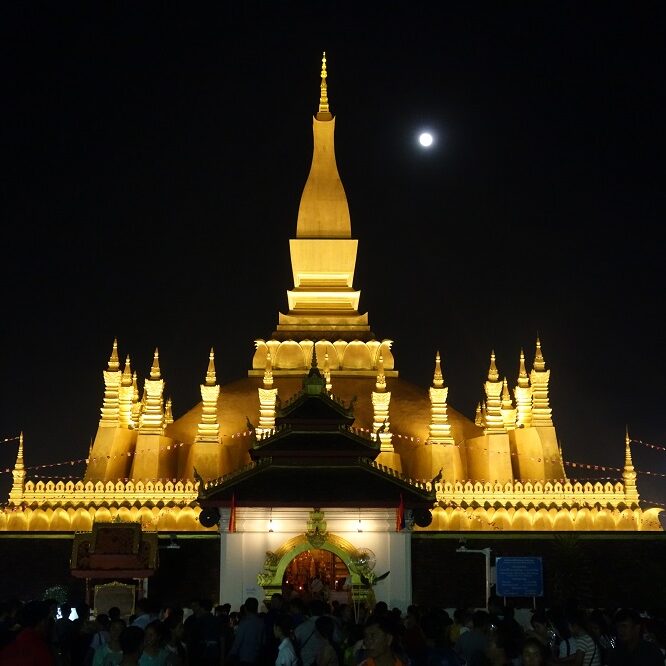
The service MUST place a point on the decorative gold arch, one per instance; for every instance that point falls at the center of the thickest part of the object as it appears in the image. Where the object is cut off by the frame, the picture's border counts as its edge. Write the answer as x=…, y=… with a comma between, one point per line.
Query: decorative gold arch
x=276, y=563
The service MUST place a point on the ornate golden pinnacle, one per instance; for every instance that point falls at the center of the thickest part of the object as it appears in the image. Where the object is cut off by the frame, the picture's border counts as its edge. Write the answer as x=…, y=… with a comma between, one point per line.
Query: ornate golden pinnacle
x=324, y=112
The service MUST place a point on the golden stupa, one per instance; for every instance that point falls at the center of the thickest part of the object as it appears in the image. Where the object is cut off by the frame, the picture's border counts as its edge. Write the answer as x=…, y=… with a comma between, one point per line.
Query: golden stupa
x=500, y=470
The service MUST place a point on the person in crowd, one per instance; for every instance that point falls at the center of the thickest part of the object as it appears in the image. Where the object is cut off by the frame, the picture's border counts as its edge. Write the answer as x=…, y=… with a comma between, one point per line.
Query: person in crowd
x=599, y=628
x=413, y=638
x=146, y=612
x=541, y=630
x=354, y=651
x=535, y=652
x=110, y=653
x=631, y=648
x=565, y=646
x=31, y=647
x=378, y=638
x=202, y=634
x=282, y=630
x=131, y=643
x=114, y=613
x=309, y=641
x=587, y=650
x=99, y=637
x=174, y=631
x=154, y=652
x=328, y=652
x=462, y=623
x=9, y=625
x=473, y=643
x=250, y=635
x=438, y=646
x=275, y=609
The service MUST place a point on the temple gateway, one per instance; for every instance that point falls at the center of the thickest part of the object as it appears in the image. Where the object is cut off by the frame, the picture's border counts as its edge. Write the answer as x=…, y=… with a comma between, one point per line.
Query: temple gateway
x=322, y=462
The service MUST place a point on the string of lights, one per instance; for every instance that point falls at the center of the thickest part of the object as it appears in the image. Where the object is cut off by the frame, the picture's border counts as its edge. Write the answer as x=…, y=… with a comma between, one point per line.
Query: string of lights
x=248, y=433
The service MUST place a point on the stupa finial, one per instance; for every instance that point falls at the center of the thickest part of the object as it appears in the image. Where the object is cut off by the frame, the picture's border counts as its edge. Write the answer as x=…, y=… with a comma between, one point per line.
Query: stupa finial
x=126, y=379
x=19, y=457
x=539, y=361
x=324, y=112
x=493, y=374
x=155, y=368
x=438, y=379
x=114, y=362
x=211, y=377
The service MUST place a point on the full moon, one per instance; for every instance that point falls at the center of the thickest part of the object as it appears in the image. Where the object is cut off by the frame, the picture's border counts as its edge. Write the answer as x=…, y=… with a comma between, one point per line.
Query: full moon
x=425, y=139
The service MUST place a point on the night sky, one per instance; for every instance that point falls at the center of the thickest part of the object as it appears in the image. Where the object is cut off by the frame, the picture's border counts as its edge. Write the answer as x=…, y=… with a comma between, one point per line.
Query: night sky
x=154, y=157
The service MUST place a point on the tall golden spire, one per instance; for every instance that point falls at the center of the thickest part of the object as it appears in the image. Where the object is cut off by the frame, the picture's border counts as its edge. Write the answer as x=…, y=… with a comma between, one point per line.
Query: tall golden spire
x=125, y=394
x=323, y=302
x=508, y=410
x=539, y=378
x=152, y=414
x=324, y=111
x=523, y=395
x=209, y=427
x=629, y=473
x=136, y=399
x=440, y=429
x=493, y=420
x=16, y=493
x=112, y=377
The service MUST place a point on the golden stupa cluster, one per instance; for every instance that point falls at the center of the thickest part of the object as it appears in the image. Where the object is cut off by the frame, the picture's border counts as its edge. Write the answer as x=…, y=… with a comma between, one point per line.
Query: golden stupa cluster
x=501, y=470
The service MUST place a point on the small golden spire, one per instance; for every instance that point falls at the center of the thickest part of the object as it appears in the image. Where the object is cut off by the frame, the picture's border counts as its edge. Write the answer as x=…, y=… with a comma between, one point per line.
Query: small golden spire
x=628, y=462
x=19, y=456
x=324, y=111
x=629, y=473
x=380, y=384
x=155, y=369
x=493, y=374
x=523, y=377
x=126, y=379
x=478, y=417
x=539, y=362
x=438, y=379
x=18, y=474
x=135, y=387
x=211, y=377
x=507, y=403
x=114, y=363
x=168, y=411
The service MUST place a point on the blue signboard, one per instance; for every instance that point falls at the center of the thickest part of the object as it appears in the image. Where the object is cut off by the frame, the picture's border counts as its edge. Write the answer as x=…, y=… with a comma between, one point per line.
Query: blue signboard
x=519, y=576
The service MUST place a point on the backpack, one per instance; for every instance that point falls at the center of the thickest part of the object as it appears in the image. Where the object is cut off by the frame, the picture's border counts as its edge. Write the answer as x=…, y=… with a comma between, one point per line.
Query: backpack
x=298, y=647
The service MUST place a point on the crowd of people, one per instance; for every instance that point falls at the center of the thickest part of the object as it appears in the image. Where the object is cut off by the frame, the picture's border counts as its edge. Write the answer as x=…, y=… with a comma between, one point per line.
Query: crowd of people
x=289, y=632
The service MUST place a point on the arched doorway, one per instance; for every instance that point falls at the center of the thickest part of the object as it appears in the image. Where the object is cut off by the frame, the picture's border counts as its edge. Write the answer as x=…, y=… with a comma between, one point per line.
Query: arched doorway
x=317, y=574
x=277, y=563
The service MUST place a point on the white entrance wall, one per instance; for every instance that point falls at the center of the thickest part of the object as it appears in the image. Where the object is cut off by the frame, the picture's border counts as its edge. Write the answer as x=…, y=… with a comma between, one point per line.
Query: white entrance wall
x=243, y=552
